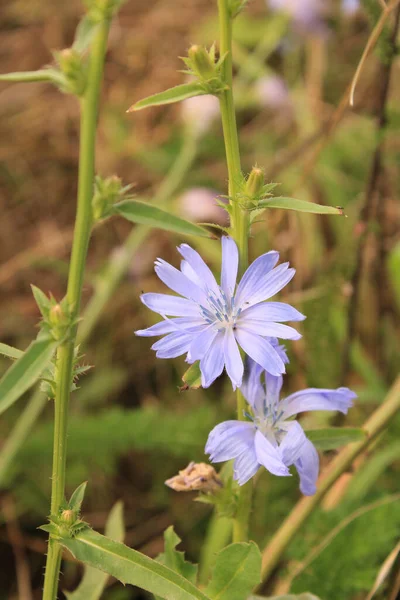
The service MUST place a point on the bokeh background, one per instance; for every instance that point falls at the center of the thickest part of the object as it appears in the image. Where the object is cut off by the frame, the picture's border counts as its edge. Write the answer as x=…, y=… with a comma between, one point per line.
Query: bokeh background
x=131, y=427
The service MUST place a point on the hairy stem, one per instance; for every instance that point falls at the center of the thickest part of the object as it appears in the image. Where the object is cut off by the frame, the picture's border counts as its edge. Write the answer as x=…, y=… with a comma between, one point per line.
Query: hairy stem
x=239, y=218
x=303, y=509
x=65, y=354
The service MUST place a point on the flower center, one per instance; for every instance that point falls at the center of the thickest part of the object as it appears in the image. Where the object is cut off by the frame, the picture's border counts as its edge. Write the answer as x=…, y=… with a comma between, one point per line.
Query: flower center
x=220, y=310
x=270, y=423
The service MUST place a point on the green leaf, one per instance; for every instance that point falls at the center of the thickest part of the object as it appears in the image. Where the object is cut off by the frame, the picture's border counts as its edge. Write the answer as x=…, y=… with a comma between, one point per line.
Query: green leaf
x=176, y=560
x=130, y=566
x=84, y=34
x=146, y=214
x=10, y=352
x=175, y=94
x=334, y=437
x=75, y=502
x=192, y=377
x=43, y=302
x=94, y=581
x=26, y=370
x=305, y=596
x=236, y=572
x=300, y=206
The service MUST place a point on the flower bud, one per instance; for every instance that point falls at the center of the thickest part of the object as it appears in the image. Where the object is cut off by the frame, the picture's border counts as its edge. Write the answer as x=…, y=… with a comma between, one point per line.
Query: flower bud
x=254, y=183
x=58, y=321
x=106, y=192
x=73, y=68
x=201, y=62
x=68, y=516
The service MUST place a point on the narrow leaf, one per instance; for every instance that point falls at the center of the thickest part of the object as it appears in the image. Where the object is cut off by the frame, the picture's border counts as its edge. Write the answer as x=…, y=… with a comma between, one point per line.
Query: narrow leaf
x=43, y=302
x=300, y=206
x=305, y=596
x=28, y=76
x=146, y=214
x=84, y=34
x=236, y=572
x=175, y=94
x=94, y=581
x=75, y=502
x=176, y=560
x=130, y=566
x=10, y=352
x=25, y=371
x=384, y=571
x=335, y=437
x=192, y=377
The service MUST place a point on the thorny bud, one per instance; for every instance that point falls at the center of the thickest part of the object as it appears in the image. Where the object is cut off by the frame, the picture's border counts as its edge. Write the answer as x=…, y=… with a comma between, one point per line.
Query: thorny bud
x=254, y=183
x=58, y=321
x=68, y=516
x=73, y=69
x=106, y=192
x=202, y=62
x=198, y=477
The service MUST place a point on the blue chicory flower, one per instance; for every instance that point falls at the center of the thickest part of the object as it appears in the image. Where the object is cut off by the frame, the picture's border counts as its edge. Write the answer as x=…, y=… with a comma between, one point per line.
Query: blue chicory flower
x=214, y=320
x=272, y=439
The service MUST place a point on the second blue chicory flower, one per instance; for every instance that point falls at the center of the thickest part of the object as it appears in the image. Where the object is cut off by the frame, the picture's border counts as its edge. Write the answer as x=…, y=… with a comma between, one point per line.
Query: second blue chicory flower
x=213, y=321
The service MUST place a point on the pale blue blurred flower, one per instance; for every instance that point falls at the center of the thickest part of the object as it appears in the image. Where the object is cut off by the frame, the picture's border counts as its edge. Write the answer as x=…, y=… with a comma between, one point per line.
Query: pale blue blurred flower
x=350, y=7
x=306, y=14
x=272, y=438
x=213, y=320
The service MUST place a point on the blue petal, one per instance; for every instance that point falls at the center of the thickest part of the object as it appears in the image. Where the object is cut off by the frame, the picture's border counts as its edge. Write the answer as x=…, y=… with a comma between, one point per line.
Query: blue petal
x=318, y=399
x=260, y=350
x=178, y=282
x=229, y=439
x=190, y=273
x=268, y=329
x=212, y=364
x=273, y=311
x=252, y=387
x=245, y=466
x=173, y=345
x=307, y=466
x=292, y=444
x=254, y=276
x=229, y=267
x=233, y=360
x=268, y=286
x=273, y=387
x=170, y=305
x=198, y=265
x=201, y=343
x=269, y=456
x=171, y=325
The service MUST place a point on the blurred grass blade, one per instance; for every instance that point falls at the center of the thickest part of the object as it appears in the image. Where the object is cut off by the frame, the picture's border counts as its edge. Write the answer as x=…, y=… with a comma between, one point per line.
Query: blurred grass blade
x=175, y=94
x=393, y=267
x=147, y=214
x=94, y=581
x=10, y=352
x=26, y=371
x=84, y=34
x=384, y=571
x=305, y=596
x=300, y=206
x=130, y=566
x=236, y=572
x=335, y=437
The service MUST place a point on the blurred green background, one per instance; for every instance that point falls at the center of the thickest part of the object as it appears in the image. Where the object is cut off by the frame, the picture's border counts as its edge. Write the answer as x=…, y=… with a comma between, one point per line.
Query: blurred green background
x=131, y=427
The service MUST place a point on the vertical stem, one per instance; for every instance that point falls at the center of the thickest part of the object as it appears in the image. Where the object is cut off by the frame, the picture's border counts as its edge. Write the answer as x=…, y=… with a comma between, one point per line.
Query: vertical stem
x=239, y=219
x=65, y=354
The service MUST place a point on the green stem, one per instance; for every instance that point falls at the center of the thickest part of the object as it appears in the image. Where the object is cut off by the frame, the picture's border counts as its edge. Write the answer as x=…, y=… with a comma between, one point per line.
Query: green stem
x=239, y=218
x=303, y=509
x=65, y=354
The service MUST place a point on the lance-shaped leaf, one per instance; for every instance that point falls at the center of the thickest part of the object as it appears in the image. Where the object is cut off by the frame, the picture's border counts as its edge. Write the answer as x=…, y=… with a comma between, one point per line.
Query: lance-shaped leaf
x=94, y=581
x=146, y=214
x=130, y=566
x=10, y=352
x=300, y=206
x=236, y=572
x=175, y=94
x=176, y=560
x=26, y=370
x=75, y=502
x=334, y=437
x=305, y=596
